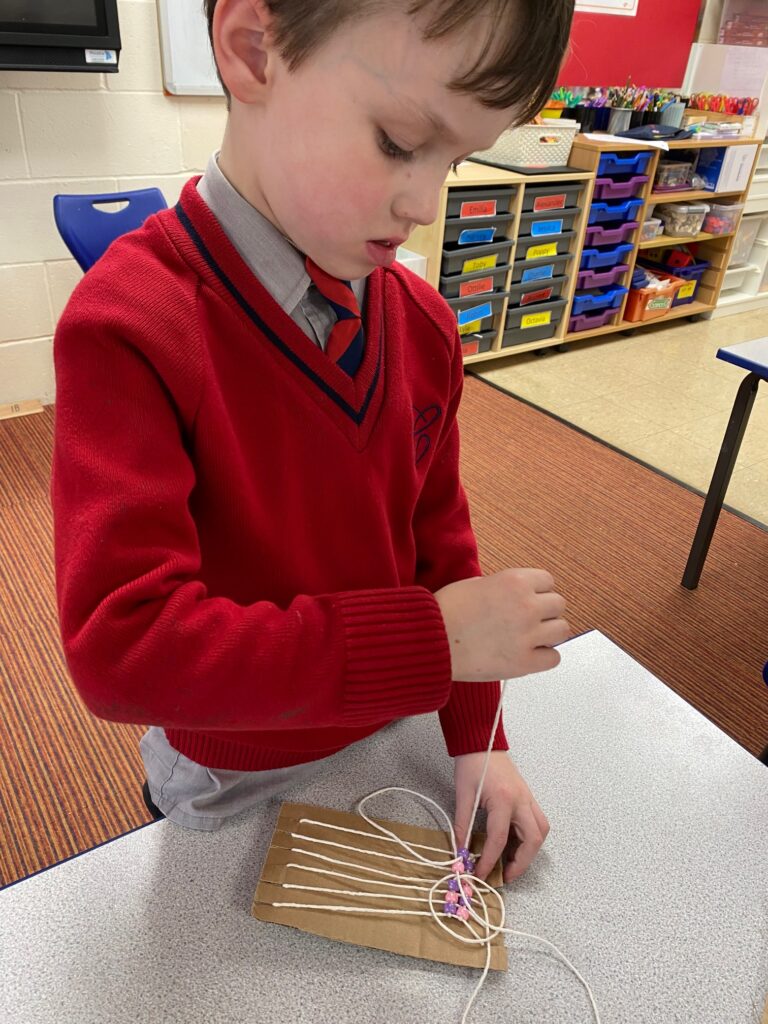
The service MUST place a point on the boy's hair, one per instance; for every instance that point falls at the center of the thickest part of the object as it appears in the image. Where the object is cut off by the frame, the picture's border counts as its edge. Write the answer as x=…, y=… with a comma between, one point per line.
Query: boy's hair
x=526, y=40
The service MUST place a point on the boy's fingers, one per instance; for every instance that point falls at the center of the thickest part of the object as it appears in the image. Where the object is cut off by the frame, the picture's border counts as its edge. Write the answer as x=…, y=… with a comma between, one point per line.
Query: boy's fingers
x=499, y=824
x=531, y=839
x=464, y=802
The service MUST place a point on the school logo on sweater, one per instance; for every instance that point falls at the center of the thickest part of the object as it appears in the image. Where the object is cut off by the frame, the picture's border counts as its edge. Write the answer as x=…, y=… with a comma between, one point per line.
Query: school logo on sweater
x=422, y=431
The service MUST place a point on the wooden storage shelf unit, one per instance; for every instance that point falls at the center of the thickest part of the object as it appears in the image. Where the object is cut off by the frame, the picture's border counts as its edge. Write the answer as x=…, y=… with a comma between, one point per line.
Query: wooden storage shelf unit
x=585, y=159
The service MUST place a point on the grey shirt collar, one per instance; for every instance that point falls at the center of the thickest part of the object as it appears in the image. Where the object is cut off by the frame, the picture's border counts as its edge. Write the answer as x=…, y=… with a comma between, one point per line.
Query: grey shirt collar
x=268, y=253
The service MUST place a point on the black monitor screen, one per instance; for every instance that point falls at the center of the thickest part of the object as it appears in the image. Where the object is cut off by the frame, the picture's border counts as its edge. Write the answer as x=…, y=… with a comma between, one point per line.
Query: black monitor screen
x=37, y=14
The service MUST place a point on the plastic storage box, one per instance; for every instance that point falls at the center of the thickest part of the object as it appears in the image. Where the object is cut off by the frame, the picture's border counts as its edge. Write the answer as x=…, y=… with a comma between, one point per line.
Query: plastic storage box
x=533, y=145
x=601, y=259
x=542, y=198
x=539, y=248
x=691, y=276
x=526, y=324
x=749, y=228
x=601, y=279
x=480, y=202
x=482, y=341
x=528, y=293
x=604, y=213
x=673, y=175
x=466, y=259
x=650, y=303
x=723, y=219
x=479, y=230
x=476, y=313
x=601, y=235
x=599, y=299
x=682, y=219
x=528, y=271
x=651, y=229
x=612, y=164
x=606, y=189
x=548, y=222
x=476, y=283
x=590, y=321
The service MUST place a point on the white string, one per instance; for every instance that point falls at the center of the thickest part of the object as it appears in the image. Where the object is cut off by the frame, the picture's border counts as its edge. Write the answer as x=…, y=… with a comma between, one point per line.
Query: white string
x=490, y=931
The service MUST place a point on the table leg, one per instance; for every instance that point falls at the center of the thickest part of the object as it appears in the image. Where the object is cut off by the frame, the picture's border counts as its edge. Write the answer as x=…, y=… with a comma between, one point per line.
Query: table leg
x=721, y=477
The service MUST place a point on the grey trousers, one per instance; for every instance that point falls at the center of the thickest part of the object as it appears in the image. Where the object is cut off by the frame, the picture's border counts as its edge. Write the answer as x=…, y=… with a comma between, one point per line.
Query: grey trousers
x=194, y=796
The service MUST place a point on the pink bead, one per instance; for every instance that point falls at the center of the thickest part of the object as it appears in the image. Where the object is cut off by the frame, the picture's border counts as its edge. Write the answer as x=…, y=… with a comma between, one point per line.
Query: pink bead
x=457, y=866
x=463, y=913
x=451, y=897
x=467, y=889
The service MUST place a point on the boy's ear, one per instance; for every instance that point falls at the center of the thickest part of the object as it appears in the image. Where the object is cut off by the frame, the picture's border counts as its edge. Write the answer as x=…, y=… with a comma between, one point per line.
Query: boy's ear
x=243, y=34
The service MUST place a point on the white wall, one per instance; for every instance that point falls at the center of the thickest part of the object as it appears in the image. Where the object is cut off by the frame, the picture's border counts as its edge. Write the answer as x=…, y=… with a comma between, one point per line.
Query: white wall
x=71, y=132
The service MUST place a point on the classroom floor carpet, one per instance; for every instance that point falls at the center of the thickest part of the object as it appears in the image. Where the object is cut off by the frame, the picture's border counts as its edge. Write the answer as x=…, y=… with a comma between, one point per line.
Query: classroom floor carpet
x=614, y=534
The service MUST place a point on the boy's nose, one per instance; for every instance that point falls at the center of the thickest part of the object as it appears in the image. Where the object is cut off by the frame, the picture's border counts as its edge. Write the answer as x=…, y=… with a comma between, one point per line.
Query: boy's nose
x=419, y=204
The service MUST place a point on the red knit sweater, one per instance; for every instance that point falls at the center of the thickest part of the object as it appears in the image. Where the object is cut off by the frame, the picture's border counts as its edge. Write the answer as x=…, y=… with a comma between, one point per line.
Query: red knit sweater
x=248, y=540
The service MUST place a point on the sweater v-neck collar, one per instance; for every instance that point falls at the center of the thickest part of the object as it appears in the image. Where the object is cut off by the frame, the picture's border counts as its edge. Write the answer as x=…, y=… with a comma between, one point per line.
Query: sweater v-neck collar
x=354, y=402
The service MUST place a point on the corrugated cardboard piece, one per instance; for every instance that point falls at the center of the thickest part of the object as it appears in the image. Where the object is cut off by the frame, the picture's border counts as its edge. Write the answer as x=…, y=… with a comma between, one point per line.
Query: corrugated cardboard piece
x=410, y=936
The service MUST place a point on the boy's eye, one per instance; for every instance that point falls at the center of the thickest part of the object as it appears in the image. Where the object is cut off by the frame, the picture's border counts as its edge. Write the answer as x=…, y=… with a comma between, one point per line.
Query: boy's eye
x=391, y=149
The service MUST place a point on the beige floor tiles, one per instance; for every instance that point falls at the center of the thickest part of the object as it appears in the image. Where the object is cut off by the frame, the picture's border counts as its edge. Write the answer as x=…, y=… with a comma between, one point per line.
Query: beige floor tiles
x=660, y=394
x=681, y=458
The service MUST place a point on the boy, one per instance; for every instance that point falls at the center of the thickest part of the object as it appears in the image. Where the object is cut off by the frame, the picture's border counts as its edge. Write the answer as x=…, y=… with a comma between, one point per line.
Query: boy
x=262, y=544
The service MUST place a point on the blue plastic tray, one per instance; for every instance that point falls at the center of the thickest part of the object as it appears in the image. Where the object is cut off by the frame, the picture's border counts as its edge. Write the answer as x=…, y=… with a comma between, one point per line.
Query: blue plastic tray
x=601, y=298
x=601, y=213
x=612, y=163
x=592, y=259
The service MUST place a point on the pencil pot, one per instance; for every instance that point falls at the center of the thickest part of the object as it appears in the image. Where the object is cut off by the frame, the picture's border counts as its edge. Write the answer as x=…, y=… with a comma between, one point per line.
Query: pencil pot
x=673, y=115
x=619, y=120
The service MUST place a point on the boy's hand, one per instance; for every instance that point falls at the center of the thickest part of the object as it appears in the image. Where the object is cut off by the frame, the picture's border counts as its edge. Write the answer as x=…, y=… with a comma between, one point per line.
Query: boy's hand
x=503, y=625
x=516, y=825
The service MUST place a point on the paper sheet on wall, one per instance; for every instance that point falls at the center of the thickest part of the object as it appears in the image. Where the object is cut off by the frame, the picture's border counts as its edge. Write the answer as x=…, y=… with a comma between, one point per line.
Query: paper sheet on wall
x=410, y=936
x=744, y=70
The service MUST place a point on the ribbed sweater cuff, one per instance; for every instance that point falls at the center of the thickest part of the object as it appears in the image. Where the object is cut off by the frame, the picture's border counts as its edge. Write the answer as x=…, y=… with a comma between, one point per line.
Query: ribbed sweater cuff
x=398, y=658
x=467, y=718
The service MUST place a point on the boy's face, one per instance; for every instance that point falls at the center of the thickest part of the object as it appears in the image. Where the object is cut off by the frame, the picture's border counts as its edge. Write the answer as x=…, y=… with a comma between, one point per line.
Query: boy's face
x=347, y=153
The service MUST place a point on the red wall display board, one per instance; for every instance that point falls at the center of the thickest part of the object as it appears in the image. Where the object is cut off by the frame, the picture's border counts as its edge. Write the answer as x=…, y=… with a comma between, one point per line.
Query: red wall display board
x=653, y=46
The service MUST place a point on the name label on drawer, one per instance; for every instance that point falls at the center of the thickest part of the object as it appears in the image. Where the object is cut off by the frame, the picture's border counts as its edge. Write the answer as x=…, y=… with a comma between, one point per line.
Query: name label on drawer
x=485, y=284
x=662, y=302
x=480, y=263
x=478, y=208
x=687, y=290
x=476, y=236
x=537, y=252
x=546, y=227
x=472, y=328
x=540, y=296
x=466, y=316
x=549, y=203
x=470, y=348
x=538, y=273
x=536, y=319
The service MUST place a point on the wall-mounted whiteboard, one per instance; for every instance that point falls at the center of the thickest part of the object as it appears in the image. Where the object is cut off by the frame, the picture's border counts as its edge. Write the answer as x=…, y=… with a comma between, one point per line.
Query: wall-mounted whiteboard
x=188, y=67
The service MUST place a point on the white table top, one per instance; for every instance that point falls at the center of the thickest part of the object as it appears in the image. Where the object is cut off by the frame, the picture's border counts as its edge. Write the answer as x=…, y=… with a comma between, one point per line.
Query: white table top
x=652, y=881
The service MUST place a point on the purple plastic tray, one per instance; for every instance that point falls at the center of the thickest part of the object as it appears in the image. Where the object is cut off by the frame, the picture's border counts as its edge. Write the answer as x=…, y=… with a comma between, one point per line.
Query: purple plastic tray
x=598, y=235
x=607, y=188
x=588, y=322
x=599, y=279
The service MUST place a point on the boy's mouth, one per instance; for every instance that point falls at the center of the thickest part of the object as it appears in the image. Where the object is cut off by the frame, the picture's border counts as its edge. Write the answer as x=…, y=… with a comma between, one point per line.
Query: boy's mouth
x=384, y=250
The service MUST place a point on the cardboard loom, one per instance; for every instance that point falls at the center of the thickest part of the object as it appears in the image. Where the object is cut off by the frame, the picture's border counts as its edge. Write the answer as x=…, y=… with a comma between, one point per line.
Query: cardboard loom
x=410, y=936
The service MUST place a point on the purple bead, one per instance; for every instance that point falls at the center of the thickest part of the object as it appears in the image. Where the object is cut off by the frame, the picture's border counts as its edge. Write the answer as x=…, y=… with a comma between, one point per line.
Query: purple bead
x=453, y=885
x=463, y=853
x=451, y=909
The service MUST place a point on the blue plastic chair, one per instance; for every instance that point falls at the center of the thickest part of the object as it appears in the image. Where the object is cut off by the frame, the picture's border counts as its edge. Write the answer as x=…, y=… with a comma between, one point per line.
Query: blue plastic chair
x=751, y=356
x=88, y=231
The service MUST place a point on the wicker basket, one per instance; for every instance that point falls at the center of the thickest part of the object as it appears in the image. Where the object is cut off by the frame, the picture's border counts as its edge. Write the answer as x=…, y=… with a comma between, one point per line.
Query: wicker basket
x=534, y=145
